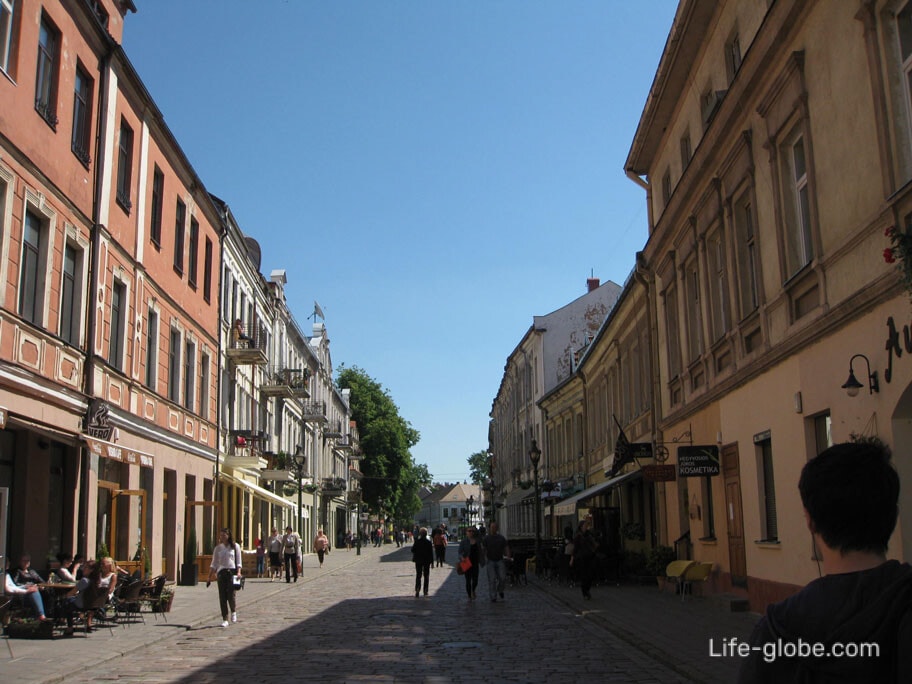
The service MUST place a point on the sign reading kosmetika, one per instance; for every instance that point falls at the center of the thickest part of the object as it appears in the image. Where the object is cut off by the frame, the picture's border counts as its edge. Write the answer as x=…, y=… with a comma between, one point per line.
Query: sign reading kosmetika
x=698, y=461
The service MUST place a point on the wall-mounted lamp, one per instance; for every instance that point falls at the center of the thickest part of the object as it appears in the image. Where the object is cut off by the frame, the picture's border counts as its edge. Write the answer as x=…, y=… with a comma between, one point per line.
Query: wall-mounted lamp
x=852, y=385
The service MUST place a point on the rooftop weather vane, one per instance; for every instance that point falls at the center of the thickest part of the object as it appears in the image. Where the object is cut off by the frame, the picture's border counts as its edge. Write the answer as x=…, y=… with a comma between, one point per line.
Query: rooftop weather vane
x=318, y=312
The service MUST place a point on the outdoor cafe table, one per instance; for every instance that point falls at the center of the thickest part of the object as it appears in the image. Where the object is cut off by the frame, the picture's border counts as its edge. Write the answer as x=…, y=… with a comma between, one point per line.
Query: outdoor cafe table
x=57, y=591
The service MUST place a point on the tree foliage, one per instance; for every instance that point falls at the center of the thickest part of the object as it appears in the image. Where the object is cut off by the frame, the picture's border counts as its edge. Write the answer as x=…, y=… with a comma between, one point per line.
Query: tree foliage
x=390, y=474
x=479, y=466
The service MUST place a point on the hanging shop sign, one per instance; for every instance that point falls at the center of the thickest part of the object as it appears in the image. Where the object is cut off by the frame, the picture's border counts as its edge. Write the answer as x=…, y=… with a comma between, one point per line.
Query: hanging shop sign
x=658, y=473
x=698, y=461
x=118, y=453
x=98, y=421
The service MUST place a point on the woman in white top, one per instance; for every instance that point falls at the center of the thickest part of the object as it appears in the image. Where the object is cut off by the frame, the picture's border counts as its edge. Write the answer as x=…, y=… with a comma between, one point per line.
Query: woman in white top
x=226, y=563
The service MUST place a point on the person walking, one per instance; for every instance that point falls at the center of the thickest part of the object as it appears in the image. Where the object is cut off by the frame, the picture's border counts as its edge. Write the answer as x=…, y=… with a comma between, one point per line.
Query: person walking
x=274, y=545
x=226, y=564
x=496, y=549
x=422, y=556
x=321, y=545
x=440, y=544
x=260, y=557
x=583, y=559
x=470, y=547
x=292, y=545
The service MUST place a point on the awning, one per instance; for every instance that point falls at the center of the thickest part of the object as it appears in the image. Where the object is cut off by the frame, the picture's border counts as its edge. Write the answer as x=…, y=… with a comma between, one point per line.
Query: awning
x=257, y=491
x=519, y=494
x=117, y=452
x=568, y=506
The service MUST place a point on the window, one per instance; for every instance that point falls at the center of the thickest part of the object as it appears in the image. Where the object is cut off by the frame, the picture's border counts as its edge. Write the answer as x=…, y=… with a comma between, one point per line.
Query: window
x=158, y=196
x=125, y=166
x=204, y=386
x=174, y=366
x=769, y=527
x=118, y=324
x=733, y=57
x=207, y=271
x=746, y=248
x=796, y=205
x=673, y=333
x=46, y=78
x=189, y=374
x=31, y=273
x=6, y=33
x=686, y=151
x=823, y=436
x=446, y=512
x=82, y=116
x=152, y=350
x=180, y=218
x=193, y=258
x=666, y=186
x=70, y=295
x=718, y=287
x=693, y=311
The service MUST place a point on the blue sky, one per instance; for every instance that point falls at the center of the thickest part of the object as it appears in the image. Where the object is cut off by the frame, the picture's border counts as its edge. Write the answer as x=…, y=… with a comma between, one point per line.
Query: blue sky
x=432, y=173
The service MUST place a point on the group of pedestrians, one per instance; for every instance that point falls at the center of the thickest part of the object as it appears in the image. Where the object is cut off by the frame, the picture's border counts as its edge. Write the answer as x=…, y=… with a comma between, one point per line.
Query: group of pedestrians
x=489, y=550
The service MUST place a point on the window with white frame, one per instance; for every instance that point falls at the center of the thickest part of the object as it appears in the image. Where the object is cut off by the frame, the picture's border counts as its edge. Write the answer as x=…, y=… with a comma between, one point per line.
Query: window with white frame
x=207, y=271
x=718, y=286
x=82, y=115
x=204, y=386
x=693, y=311
x=6, y=33
x=189, y=374
x=47, y=72
x=155, y=210
x=118, y=324
x=152, y=350
x=31, y=268
x=769, y=526
x=125, y=166
x=174, y=367
x=71, y=293
x=747, y=254
x=799, y=248
x=193, y=256
x=180, y=217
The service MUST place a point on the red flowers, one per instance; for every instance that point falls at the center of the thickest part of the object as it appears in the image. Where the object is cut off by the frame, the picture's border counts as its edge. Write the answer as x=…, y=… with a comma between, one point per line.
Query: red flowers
x=888, y=255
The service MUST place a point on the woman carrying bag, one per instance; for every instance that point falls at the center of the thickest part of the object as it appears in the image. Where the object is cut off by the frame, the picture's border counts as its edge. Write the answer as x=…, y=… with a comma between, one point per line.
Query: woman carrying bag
x=470, y=549
x=226, y=565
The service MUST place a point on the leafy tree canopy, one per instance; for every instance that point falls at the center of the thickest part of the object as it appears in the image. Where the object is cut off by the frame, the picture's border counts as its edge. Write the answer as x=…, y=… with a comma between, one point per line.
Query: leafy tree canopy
x=479, y=466
x=390, y=474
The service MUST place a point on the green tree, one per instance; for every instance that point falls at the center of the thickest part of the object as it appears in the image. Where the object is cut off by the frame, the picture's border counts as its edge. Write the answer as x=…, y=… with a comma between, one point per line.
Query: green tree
x=479, y=466
x=386, y=438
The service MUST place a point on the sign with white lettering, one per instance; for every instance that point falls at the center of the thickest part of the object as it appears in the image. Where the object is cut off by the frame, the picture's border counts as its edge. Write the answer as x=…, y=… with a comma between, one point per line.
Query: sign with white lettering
x=118, y=453
x=698, y=461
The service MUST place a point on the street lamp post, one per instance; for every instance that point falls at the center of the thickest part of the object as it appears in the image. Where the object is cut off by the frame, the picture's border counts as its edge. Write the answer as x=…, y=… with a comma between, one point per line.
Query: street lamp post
x=299, y=461
x=535, y=457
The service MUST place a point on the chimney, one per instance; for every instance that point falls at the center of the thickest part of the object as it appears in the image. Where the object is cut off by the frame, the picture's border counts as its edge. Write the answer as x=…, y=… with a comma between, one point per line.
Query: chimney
x=592, y=284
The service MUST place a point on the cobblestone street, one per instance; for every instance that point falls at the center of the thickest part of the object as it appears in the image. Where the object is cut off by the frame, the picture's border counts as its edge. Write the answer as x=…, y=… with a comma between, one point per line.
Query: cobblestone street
x=357, y=620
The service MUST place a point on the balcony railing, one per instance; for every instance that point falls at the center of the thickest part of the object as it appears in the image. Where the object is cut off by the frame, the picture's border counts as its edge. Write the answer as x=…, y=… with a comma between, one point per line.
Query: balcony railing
x=333, y=430
x=285, y=382
x=247, y=345
x=333, y=486
x=314, y=411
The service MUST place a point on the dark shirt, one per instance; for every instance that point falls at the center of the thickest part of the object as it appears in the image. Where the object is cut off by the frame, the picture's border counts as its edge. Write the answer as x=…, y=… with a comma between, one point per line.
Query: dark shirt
x=495, y=546
x=24, y=577
x=854, y=608
x=423, y=551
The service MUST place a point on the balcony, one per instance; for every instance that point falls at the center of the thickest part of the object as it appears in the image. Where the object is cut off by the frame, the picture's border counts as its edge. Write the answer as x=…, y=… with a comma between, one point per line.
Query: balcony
x=246, y=345
x=333, y=486
x=354, y=496
x=354, y=473
x=286, y=383
x=249, y=449
x=333, y=431
x=345, y=444
x=314, y=411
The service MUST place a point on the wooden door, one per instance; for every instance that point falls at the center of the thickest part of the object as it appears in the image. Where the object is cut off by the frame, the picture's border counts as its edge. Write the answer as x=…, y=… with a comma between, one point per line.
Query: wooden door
x=734, y=515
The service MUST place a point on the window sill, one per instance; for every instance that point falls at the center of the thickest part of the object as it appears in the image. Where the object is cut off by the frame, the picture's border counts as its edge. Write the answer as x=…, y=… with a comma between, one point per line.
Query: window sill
x=708, y=541
x=768, y=543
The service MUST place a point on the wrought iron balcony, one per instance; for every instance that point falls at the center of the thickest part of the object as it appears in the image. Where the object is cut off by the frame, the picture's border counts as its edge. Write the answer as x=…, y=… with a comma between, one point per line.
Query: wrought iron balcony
x=333, y=431
x=285, y=382
x=247, y=345
x=333, y=486
x=314, y=411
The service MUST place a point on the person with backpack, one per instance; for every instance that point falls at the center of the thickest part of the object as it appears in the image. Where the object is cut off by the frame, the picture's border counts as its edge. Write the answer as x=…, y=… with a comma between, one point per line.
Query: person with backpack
x=292, y=544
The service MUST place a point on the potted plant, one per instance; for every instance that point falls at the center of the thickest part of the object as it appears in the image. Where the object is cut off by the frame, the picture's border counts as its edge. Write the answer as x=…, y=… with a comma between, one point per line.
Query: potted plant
x=163, y=605
x=189, y=570
x=657, y=559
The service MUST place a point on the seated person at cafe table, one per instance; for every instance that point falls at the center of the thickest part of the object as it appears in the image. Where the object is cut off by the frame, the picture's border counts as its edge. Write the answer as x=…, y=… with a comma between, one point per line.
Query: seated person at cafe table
x=24, y=582
x=101, y=577
x=68, y=568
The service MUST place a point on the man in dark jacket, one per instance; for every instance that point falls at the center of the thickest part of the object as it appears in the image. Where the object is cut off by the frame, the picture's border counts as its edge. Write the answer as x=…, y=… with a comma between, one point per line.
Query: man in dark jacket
x=422, y=556
x=853, y=624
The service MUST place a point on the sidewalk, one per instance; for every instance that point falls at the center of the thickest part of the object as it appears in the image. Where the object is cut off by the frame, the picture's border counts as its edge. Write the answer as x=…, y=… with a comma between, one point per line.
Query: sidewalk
x=636, y=621
x=29, y=661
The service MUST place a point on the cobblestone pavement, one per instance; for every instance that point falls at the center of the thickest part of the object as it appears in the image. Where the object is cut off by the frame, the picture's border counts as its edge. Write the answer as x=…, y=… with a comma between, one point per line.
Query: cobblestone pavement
x=357, y=620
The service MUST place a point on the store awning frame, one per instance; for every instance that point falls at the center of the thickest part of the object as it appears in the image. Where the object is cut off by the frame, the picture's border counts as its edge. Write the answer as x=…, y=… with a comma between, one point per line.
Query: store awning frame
x=257, y=491
x=568, y=506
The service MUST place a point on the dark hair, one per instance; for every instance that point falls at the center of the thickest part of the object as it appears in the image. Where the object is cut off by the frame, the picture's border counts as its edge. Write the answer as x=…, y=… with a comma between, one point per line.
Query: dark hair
x=230, y=543
x=63, y=557
x=850, y=492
